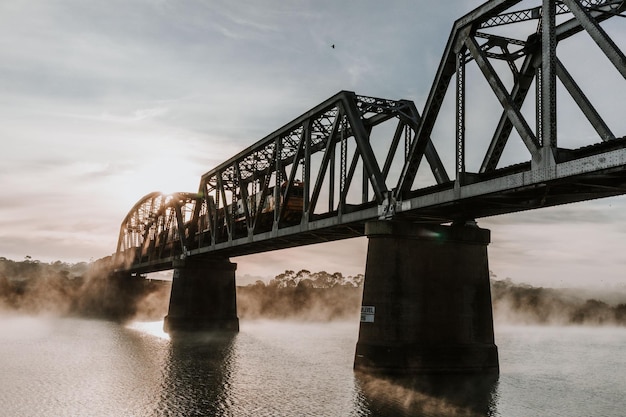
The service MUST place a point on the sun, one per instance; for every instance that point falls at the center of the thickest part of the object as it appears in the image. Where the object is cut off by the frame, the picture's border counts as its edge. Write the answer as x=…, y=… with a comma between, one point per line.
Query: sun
x=166, y=175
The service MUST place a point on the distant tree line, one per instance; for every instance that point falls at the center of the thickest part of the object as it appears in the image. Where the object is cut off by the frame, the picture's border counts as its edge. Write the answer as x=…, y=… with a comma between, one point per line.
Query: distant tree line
x=89, y=289
x=525, y=304
x=302, y=295
x=308, y=279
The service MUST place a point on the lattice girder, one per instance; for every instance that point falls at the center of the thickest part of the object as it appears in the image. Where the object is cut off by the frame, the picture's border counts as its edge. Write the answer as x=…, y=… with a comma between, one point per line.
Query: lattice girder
x=355, y=158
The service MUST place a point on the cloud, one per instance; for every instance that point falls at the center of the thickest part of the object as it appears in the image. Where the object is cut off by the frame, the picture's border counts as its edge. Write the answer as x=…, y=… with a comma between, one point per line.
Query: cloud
x=137, y=115
x=559, y=252
x=603, y=211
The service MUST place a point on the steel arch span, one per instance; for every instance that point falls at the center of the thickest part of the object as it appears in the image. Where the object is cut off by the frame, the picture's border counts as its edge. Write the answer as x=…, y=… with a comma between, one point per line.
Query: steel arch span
x=354, y=158
x=155, y=228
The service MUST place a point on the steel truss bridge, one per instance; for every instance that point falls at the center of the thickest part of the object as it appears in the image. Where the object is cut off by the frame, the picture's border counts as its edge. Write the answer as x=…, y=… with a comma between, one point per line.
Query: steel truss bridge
x=354, y=158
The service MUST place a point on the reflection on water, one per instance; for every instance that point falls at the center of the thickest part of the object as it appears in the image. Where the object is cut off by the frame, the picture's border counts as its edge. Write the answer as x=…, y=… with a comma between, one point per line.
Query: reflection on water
x=437, y=395
x=197, y=376
x=287, y=369
x=75, y=367
x=154, y=328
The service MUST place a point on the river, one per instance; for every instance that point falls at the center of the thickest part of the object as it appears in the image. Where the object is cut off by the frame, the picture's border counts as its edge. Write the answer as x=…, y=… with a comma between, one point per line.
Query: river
x=77, y=367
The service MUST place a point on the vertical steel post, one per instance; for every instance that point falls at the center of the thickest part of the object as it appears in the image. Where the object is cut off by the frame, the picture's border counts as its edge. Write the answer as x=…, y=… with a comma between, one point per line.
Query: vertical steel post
x=331, y=172
x=306, y=174
x=407, y=142
x=343, y=167
x=277, y=185
x=548, y=75
x=460, y=115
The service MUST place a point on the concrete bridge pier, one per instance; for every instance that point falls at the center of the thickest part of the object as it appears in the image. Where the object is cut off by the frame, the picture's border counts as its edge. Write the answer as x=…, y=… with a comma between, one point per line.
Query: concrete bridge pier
x=203, y=296
x=426, y=301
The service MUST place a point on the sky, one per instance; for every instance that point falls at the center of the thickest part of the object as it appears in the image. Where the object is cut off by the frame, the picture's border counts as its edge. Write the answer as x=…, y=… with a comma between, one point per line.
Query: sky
x=102, y=103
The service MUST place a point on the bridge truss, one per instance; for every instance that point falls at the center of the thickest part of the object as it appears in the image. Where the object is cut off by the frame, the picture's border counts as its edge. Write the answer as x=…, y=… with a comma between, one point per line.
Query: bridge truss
x=355, y=158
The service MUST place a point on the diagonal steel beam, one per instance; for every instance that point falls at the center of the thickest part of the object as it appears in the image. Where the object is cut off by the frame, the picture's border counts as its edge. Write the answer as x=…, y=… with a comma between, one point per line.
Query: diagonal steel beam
x=446, y=70
x=610, y=49
x=583, y=103
x=392, y=149
x=263, y=192
x=430, y=153
x=330, y=142
x=350, y=175
x=599, y=13
x=180, y=222
x=227, y=214
x=195, y=216
x=292, y=176
x=361, y=137
x=211, y=212
x=527, y=75
x=503, y=129
x=243, y=192
x=505, y=99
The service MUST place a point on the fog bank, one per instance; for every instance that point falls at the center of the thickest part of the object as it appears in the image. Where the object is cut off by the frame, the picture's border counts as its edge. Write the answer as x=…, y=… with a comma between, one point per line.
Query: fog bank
x=85, y=290
x=90, y=290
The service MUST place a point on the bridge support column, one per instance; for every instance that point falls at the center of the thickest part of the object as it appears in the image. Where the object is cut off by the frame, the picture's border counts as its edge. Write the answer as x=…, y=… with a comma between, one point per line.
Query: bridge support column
x=203, y=297
x=426, y=301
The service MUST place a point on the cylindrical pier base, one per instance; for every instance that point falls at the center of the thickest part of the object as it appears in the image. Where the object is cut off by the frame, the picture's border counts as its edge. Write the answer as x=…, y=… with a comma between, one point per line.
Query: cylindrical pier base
x=203, y=297
x=426, y=301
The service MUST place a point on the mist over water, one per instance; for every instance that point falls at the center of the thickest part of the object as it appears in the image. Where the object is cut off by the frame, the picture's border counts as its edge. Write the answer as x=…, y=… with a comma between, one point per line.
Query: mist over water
x=89, y=290
x=79, y=290
x=293, y=355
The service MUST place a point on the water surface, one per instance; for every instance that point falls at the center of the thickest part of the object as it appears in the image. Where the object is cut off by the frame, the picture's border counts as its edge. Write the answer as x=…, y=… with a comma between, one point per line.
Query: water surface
x=77, y=367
